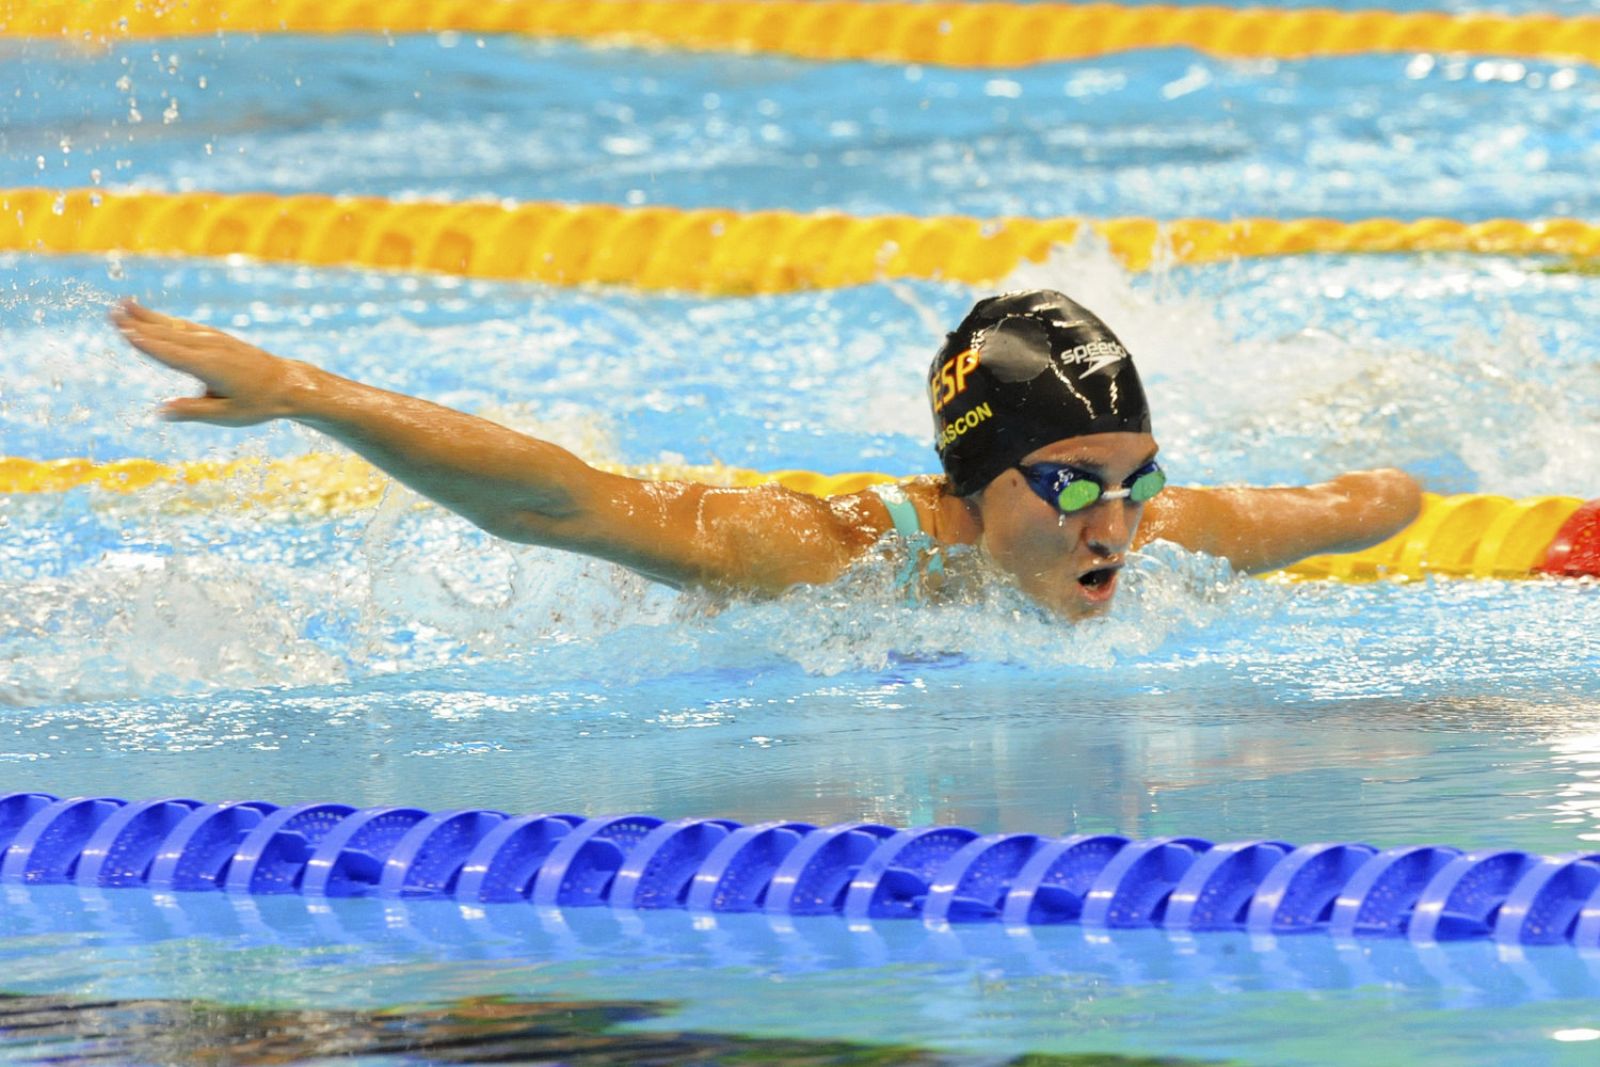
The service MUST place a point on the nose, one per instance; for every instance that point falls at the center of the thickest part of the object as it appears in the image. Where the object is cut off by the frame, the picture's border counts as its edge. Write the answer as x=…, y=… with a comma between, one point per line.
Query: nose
x=1108, y=528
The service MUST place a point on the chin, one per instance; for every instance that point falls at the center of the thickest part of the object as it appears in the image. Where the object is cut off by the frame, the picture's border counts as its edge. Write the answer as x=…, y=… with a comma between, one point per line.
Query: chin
x=1077, y=609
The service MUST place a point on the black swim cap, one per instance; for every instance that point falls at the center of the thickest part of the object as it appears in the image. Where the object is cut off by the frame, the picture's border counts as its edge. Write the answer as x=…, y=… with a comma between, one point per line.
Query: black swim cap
x=1023, y=370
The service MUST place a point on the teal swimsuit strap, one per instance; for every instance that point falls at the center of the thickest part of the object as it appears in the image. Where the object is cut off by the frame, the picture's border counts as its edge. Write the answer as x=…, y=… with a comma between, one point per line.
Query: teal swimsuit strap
x=903, y=513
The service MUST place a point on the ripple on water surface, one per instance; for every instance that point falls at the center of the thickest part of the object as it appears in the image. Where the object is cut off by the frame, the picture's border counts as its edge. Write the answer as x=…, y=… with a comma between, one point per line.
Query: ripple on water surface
x=1164, y=132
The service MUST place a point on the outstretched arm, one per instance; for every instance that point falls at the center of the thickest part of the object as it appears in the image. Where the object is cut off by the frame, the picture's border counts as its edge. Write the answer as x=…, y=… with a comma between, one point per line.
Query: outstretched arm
x=512, y=485
x=1263, y=529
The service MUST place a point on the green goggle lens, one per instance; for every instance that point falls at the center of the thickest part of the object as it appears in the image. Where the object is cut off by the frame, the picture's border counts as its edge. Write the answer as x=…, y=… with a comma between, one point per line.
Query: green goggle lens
x=1082, y=489
x=1147, y=485
x=1078, y=495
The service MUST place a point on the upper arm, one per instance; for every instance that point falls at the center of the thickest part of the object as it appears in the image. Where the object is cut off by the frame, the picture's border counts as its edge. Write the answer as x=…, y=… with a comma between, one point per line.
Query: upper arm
x=1263, y=529
x=758, y=539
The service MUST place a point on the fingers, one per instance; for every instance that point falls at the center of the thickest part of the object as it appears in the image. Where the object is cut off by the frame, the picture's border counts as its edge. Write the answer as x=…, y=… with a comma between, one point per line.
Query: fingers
x=133, y=318
x=180, y=345
x=240, y=380
x=130, y=310
x=165, y=350
x=175, y=343
x=198, y=409
x=129, y=315
x=146, y=336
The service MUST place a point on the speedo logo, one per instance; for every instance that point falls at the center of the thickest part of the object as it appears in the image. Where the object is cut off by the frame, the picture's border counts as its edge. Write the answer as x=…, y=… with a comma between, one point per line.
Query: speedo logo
x=954, y=429
x=1098, y=354
x=951, y=381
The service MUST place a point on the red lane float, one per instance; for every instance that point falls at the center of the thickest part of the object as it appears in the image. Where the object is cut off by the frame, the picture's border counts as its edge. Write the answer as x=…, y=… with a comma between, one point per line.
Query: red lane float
x=1575, y=552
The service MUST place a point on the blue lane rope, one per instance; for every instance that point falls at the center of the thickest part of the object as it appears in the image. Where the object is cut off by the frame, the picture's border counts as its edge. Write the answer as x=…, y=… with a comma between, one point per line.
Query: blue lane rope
x=860, y=871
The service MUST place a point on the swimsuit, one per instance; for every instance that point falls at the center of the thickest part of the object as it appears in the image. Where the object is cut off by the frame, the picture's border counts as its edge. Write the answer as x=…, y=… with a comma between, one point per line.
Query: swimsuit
x=906, y=523
x=901, y=510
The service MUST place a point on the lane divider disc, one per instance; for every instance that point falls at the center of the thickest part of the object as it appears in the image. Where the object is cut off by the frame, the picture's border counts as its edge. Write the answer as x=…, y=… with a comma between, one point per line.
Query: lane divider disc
x=861, y=872
x=973, y=35
x=1475, y=535
x=705, y=250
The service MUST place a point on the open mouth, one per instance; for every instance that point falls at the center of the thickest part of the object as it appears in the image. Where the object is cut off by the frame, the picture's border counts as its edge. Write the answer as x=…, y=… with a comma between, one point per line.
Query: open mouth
x=1099, y=583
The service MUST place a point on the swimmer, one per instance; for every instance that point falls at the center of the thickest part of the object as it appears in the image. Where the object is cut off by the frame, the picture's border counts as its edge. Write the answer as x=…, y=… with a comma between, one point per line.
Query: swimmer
x=1041, y=425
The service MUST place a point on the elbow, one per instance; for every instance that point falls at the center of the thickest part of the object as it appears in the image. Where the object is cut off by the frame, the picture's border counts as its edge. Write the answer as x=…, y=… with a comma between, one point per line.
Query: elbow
x=1400, y=498
x=524, y=528
x=504, y=527
x=549, y=522
x=1388, y=501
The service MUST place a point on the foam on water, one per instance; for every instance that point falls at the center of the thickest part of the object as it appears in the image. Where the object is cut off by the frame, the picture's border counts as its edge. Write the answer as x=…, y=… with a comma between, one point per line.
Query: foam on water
x=195, y=643
x=130, y=597
x=1467, y=403
x=200, y=605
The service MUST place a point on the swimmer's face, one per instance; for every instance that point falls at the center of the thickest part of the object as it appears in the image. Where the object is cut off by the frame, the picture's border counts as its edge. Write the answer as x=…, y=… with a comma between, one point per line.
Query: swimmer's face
x=1067, y=562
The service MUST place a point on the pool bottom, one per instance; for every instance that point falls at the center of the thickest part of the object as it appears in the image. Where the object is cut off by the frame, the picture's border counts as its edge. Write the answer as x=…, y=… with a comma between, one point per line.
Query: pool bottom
x=982, y=993
x=577, y=1033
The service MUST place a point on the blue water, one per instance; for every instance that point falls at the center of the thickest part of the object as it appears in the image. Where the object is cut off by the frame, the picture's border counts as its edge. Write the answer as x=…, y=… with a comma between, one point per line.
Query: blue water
x=1165, y=133
x=197, y=644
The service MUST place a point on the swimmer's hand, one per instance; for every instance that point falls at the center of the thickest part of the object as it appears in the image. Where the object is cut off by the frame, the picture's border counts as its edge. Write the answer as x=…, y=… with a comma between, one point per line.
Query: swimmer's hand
x=760, y=539
x=243, y=384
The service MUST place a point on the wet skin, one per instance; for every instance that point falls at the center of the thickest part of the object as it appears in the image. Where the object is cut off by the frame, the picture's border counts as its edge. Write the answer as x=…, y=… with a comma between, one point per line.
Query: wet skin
x=765, y=539
x=1067, y=562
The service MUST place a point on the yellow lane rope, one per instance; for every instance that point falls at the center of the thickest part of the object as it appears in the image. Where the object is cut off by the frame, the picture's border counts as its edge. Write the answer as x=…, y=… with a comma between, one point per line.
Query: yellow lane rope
x=711, y=251
x=326, y=483
x=952, y=34
x=1470, y=535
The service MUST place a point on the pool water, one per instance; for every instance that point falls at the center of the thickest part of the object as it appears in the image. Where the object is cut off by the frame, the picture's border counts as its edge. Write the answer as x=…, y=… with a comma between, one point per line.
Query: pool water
x=173, y=643
x=1164, y=132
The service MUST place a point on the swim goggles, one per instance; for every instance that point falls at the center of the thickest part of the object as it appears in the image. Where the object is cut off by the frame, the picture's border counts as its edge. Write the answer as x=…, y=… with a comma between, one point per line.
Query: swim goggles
x=1069, y=489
